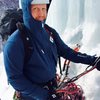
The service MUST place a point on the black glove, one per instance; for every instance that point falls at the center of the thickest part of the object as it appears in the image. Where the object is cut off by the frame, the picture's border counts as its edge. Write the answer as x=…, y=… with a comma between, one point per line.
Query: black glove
x=97, y=63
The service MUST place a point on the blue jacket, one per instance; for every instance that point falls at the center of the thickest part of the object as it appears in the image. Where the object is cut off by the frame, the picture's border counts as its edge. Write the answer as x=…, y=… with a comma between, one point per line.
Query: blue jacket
x=41, y=68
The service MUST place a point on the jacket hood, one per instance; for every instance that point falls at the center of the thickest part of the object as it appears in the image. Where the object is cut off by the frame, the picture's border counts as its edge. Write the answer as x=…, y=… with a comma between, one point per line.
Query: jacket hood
x=29, y=21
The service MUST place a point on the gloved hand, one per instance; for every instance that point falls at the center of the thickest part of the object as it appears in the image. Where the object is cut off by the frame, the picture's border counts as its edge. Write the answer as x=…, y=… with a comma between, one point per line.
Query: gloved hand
x=97, y=63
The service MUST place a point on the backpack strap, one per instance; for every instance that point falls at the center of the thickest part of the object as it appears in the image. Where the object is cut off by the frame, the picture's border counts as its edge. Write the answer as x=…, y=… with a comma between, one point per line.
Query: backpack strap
x=49, y=30
x=27, y=41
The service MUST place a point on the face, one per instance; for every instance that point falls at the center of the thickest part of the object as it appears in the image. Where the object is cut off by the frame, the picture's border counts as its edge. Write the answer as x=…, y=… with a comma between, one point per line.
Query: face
x=39, y=11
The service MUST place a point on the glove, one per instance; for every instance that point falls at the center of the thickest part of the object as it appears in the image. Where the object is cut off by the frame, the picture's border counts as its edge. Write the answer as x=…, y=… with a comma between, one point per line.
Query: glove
x=97, y=63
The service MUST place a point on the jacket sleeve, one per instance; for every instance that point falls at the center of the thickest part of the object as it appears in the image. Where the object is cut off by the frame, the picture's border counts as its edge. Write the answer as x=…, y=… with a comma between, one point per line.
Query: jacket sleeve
x=70, y=54
x=13, y=60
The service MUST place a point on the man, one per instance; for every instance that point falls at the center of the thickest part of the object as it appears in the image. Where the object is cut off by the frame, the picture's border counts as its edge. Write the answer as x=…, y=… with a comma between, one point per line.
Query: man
x=35, y=79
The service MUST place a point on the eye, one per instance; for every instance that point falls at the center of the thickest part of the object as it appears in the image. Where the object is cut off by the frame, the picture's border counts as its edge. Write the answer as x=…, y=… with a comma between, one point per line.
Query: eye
x=35, y=9
x=44, y=9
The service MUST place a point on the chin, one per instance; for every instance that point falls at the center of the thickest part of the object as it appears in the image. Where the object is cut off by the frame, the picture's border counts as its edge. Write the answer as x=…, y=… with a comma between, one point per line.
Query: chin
x=40, y=18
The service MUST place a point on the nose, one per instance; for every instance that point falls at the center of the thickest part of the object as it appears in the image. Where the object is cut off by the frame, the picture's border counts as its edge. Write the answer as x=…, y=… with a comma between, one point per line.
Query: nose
x=41, y=13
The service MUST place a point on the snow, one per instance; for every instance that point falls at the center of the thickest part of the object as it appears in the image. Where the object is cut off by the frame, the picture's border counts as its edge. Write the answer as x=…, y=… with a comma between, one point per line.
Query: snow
x=6, y=91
